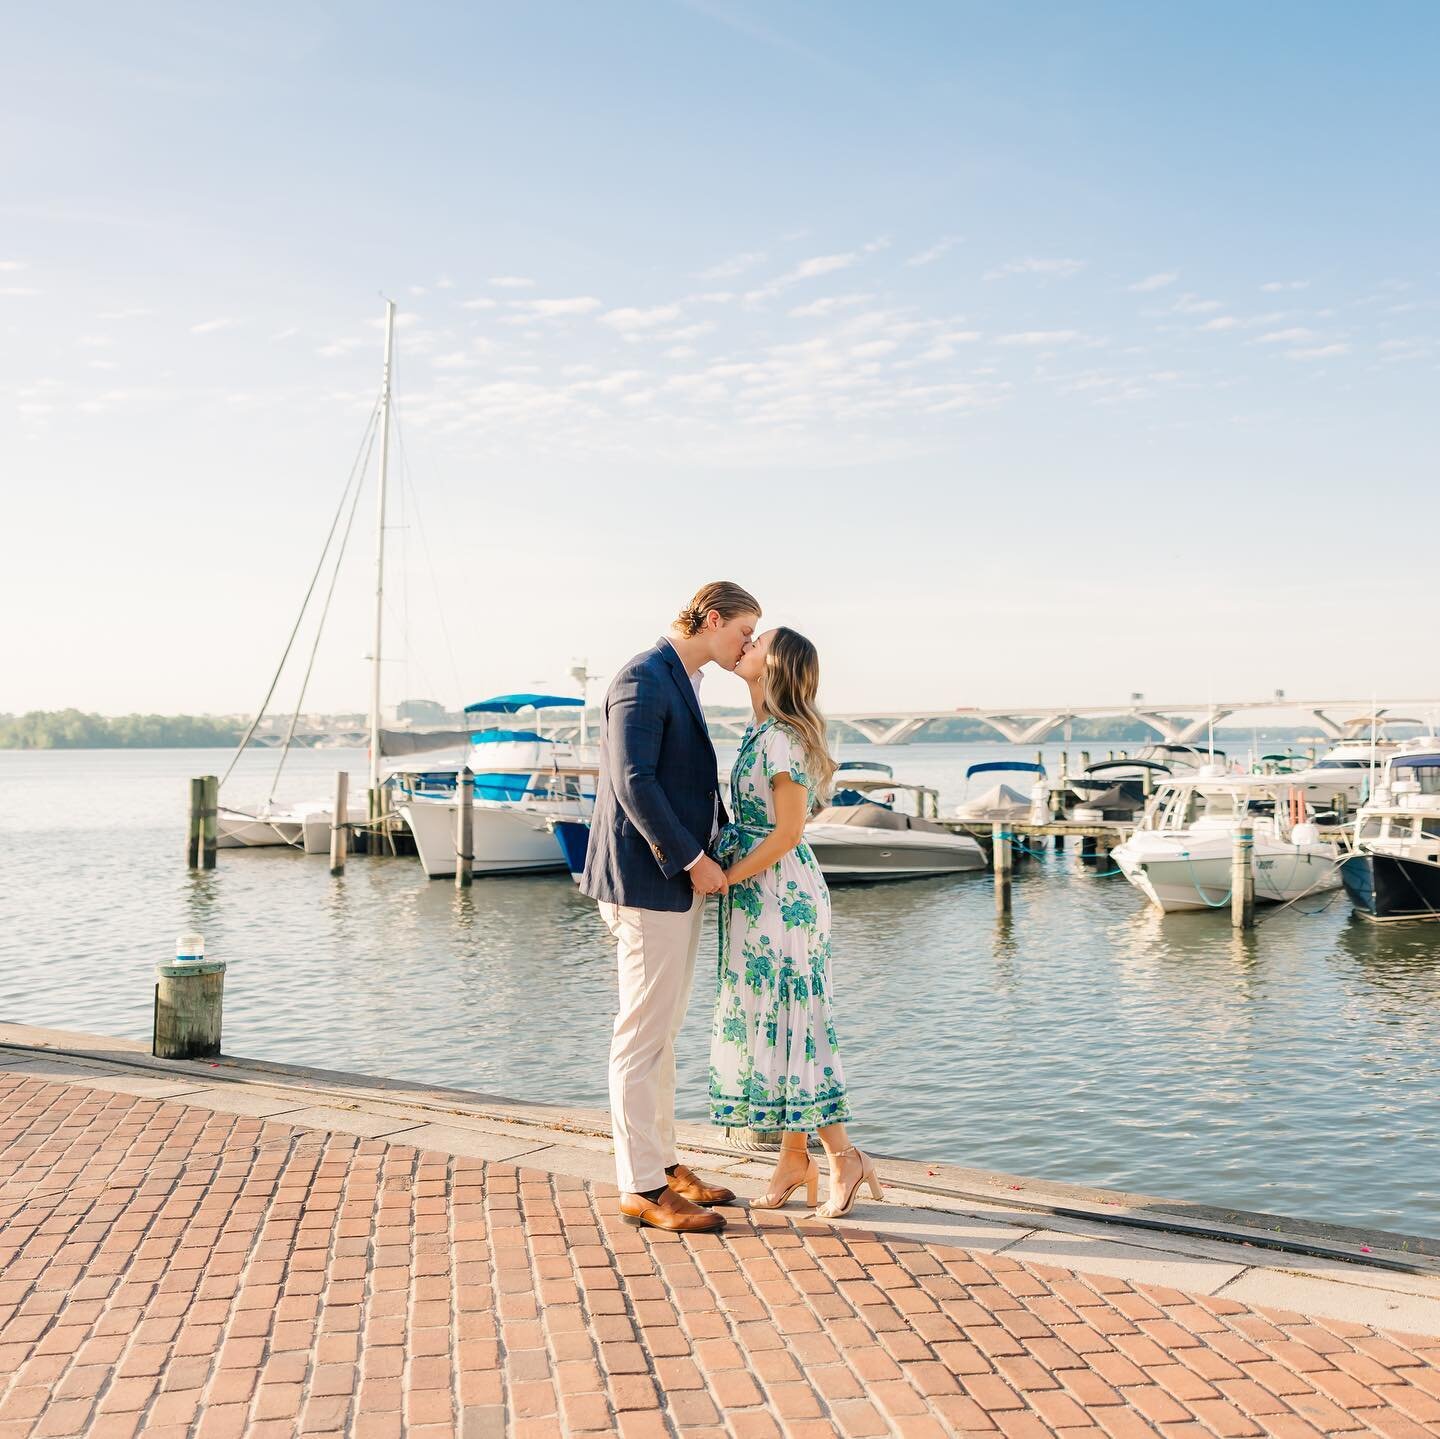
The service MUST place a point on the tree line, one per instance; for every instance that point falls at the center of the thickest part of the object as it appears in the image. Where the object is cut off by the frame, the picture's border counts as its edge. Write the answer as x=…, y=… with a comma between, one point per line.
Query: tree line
x=74, y=729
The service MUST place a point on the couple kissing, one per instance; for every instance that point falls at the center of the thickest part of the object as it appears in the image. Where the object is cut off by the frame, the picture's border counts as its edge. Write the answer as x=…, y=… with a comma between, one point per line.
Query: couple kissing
x=661, y=841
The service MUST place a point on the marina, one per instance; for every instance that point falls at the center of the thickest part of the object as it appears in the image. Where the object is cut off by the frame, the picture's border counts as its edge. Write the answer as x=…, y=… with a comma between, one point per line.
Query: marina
x=1088, y=1038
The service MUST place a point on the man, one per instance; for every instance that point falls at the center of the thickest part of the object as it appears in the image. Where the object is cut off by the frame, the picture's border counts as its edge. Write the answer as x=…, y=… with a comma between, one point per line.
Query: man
x=657, y=812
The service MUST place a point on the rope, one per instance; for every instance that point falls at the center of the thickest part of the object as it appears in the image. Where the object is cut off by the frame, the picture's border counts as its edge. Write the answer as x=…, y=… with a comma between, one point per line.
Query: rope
x=310, y=590
x=1213, y=904
x=324, y=612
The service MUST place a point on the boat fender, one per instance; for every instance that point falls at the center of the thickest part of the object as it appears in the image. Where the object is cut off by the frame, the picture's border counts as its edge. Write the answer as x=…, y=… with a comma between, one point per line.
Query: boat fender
x=1304, y=834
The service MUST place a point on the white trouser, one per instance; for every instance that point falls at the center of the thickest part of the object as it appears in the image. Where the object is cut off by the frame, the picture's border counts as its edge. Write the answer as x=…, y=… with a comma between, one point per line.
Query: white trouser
x=657, y=968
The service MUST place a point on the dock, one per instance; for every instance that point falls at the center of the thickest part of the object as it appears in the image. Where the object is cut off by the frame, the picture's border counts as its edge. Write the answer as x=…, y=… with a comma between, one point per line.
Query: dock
x=234, y=1247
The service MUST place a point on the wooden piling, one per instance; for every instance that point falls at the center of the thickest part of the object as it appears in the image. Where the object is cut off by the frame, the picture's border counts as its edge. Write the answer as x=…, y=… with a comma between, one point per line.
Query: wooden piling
x=189, y=999
x=1084, y=759
x=209, y=819
x=192, y=832
x=1242, y=878
x=1003, y=862
x=340, y=823
x=464, y=828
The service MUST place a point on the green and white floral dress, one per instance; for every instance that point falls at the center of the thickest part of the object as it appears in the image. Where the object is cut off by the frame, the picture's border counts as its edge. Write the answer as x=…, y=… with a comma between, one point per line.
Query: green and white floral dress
x=774, y=1057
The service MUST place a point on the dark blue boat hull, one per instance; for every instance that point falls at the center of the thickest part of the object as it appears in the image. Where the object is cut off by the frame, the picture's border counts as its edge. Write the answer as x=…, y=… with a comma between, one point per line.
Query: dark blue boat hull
x=1384, y=886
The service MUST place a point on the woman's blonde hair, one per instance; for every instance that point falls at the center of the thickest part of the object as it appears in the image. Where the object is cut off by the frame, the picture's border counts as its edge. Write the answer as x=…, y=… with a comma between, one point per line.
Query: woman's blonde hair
x=788, y=688
x=726, y=598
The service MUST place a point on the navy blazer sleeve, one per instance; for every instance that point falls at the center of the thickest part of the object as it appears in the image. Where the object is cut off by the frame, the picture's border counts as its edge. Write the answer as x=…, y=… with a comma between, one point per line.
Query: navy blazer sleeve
x=636, y=718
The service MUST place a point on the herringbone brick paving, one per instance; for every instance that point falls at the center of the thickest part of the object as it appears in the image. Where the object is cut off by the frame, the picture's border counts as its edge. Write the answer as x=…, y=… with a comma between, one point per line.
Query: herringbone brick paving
x=169, y=1272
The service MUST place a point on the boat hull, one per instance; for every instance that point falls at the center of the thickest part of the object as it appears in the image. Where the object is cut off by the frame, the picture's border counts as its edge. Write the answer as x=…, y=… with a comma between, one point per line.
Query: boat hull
x=235, y=830
x=1386, y=887
x=852, y=854
x=1195, y=879
x=505, y=839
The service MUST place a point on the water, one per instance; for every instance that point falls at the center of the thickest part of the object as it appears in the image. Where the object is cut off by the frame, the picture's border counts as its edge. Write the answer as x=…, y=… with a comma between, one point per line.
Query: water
x=1095, y=1040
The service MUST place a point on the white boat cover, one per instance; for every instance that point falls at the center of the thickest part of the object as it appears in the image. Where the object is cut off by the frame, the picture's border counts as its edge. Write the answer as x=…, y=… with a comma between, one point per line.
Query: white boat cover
x=1001, y=802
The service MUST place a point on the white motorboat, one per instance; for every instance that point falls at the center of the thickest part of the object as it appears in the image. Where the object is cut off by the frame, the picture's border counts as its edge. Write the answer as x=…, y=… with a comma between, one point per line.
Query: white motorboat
x=1000, y=802
x=870, y=842
x=533, y=797
x=1181, y=854
x=506, y=838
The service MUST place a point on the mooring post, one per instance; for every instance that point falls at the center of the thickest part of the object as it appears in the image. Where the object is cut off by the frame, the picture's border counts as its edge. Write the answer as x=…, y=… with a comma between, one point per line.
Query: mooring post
x=1000, y=841
x=192, y=832
x=209, y=820
x=1341, y=807
x=464, y=828
x=1084, y=759
x=1147, y=782
x=1242, y=878
x=340, y=823
x=189, y=999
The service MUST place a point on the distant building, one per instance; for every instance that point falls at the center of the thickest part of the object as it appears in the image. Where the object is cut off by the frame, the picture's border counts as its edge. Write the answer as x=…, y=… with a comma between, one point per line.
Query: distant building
x=422, y=712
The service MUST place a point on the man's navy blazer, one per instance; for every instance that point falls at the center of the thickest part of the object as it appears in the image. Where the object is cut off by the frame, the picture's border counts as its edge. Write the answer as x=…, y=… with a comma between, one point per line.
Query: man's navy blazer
x=658, y=791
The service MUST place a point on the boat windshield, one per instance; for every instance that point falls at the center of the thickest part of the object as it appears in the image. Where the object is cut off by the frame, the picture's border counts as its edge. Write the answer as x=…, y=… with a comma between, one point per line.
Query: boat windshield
x=1423, y=771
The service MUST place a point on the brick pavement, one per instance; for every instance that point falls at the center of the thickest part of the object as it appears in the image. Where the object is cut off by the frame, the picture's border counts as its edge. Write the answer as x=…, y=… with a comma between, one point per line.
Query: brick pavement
x=170, y=1271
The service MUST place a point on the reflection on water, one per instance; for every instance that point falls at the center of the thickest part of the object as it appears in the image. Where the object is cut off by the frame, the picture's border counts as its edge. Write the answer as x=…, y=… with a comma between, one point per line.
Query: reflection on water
x=1090, y=1038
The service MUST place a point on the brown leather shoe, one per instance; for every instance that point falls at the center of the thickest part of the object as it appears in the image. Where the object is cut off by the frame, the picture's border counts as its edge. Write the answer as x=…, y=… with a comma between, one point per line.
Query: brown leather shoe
x=687, y=1182
x=671, y=1211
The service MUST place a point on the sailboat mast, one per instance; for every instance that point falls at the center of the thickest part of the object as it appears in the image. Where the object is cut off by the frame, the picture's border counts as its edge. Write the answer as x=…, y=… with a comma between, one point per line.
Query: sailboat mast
x=380, y=554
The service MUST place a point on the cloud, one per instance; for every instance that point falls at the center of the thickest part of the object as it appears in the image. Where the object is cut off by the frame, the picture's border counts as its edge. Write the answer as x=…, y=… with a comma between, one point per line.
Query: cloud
x=1060, y=269
x=129, y=312
x=553, y=309
x=286, y=333
x=940, y=247
x=630, y=321
x=1318, y=352
x=1154, y=282
x=1272, y=286
x=18, y=290
x=511, y=282
x=872, y=349
x=95, y=342
x=444, y=283
x=943, y=346
x=209, y=327
x=1194, y=305
x=1221, y=322
x=456, y=360
x=1041, y=337
x=735, y=265
x=484, y=302
x=812, y=269
x=1282, y=337
x=10, y=266
x=827, y=305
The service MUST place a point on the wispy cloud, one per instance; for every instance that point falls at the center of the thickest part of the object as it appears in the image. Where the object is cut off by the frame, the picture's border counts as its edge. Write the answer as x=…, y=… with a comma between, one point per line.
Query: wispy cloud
x=209, y=327
x=18, y=290
x=128, y=312
x=9, y=266
x=1318, y=352
x=511, y=282
x=939, y=248
x=1154, y=282
x=287, y=333
x=554, y=309
x=735, y=265
x=1273, y=286
x=826, y=305
x=812, y=269
x=484, y=302
x=1041, y=337
x=1056, y=269
x=1221, y=322
x=631, y=320
x=1285, y=337
x=1194, y=305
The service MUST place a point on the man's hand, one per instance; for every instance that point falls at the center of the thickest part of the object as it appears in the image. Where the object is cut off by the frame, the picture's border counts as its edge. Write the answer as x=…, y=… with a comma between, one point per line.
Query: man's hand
x=706, y=877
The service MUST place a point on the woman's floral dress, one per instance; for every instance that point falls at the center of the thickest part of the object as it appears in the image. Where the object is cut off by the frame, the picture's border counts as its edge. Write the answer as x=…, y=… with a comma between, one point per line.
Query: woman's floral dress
x=774, y=1057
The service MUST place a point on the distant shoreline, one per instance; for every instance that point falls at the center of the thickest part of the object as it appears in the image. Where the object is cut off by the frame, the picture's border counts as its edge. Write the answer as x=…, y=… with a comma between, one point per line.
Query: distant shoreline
x=77, y=730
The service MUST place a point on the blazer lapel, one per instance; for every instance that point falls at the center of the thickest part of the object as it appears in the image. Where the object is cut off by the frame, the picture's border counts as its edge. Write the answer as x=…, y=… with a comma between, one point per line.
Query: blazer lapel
x=677, y=671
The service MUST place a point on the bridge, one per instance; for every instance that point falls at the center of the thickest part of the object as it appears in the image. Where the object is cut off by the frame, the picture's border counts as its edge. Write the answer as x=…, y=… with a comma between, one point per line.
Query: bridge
x=1018, y=724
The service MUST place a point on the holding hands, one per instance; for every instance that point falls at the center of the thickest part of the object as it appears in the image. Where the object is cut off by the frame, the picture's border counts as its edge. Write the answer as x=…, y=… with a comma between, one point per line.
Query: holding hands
x=706, y=877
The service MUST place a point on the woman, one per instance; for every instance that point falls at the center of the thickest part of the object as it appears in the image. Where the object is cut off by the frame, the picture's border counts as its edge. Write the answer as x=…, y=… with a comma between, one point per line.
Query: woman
x=774, y=1057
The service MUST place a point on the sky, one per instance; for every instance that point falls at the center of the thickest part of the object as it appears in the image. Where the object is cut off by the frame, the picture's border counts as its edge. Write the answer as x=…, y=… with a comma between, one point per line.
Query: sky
x=1035, y=353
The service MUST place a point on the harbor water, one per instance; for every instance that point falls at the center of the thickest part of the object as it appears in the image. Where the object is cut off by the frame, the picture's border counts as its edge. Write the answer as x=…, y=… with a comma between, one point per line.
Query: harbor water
x=1295, y=1070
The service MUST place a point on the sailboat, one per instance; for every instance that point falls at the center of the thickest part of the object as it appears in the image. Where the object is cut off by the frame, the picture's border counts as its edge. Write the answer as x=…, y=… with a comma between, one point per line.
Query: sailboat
x=307, y=825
